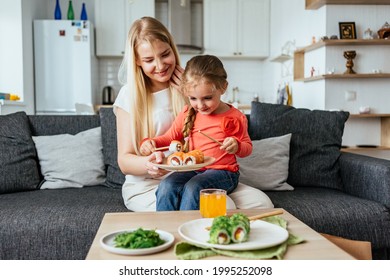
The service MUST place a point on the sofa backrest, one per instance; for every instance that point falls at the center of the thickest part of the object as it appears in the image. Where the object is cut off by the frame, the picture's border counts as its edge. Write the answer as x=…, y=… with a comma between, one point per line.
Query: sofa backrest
x=315, y=142
x=61, y=124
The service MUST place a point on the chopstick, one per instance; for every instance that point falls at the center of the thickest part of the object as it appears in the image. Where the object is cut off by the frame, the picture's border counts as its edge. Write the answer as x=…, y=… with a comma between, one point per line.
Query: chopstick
x=162, y=148
x=260, y=216
x=265, y=215
x=211, y=138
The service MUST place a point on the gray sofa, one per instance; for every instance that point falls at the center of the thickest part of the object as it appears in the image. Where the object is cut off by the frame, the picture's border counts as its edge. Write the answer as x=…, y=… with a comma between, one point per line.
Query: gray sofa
x=337, y=193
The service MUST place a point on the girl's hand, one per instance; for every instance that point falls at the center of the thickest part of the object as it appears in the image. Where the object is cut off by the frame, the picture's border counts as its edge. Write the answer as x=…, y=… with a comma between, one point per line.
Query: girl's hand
x=153, y=170
x=176, y=77
x=230, y=145
x=147, y=147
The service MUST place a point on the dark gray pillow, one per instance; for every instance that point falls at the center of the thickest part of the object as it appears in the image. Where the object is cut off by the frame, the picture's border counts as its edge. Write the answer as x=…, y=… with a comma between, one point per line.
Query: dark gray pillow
x=19, y=168
x=315, y=142
x=114, y=178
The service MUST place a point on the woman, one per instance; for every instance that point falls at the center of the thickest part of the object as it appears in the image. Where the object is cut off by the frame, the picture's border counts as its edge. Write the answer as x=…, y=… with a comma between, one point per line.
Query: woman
x=146, y=106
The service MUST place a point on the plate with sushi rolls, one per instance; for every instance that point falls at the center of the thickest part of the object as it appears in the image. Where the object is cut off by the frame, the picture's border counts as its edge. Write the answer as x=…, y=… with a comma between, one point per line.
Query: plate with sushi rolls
x=235, y=233
x=181, y=161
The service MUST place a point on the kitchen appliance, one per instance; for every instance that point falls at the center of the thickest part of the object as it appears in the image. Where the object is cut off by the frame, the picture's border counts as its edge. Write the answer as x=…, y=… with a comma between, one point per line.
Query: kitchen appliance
x=108, y=95
x=184, y=20
x=65, y=65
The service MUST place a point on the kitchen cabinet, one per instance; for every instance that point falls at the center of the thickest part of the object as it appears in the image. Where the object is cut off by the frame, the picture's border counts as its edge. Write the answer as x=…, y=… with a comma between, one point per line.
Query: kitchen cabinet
x=113, y=19
x=237, y=28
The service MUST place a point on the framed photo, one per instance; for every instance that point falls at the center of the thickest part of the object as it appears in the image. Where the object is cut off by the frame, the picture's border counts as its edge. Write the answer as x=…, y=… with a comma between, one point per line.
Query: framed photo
x=347, y=30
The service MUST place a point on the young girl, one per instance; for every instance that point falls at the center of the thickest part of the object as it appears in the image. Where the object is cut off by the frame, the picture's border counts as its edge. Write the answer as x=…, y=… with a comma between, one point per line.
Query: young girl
x=204, y=81
x=146, y=106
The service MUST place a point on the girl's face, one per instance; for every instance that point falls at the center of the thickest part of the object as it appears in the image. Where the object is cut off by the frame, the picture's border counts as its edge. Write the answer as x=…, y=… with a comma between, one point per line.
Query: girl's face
x=157, y=61
x=205, y=99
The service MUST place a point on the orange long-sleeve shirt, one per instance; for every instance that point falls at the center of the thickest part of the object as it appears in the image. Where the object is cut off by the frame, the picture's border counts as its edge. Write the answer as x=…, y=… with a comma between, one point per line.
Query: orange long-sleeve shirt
x=231, y=123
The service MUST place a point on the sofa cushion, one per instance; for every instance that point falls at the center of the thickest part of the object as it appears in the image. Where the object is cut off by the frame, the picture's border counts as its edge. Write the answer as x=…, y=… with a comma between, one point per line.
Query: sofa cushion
x=114, y=176
x=19, y=167
x=71, y=161
x=53, y=224
x=267, y=167
x=315, y=142
x=335, y=212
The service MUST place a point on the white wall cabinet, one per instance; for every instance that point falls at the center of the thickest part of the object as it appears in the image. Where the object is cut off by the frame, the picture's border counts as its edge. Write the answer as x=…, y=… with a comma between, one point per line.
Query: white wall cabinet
x=113, y=19
x=237, y=28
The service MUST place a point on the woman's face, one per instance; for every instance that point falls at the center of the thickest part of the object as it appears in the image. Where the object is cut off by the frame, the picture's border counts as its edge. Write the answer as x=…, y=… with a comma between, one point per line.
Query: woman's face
x=205, y=99
x=157, y=61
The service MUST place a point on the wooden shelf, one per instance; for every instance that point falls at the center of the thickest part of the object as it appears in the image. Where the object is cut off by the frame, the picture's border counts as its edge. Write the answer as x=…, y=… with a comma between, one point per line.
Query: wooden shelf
x=344, y=76
x=385, y=129
x=369, y=116
x=344, y=42
x=281, y=58
x=299, y=59
x=316, y=4
x=357, y=148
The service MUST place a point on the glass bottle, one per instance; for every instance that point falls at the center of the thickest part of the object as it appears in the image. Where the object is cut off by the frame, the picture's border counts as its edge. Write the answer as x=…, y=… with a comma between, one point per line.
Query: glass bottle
x=70, y=11
x=57, y=11
x=83, y=15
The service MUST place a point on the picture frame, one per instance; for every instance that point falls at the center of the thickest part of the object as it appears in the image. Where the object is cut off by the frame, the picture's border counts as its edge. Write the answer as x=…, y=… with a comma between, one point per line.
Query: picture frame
x=347, y=30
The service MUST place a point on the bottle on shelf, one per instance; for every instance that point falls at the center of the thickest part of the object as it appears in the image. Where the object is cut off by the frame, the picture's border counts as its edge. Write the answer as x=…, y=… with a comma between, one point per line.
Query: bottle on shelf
x=70, y=11
x=57, y=11
x=83, y=15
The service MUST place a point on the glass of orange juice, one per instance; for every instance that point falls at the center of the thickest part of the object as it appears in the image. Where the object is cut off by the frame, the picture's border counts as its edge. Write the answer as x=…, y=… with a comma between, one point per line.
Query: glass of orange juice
x=212, y=203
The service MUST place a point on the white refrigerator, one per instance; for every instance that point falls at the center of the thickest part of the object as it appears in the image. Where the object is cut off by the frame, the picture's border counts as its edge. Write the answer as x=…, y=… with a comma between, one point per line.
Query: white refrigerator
x=65, y=66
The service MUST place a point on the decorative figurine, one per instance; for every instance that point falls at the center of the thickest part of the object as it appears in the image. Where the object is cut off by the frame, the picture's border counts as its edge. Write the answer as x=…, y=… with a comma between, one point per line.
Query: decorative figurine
x=312, y=70
x=384, y=32
x=349, y=55
x=368, y=34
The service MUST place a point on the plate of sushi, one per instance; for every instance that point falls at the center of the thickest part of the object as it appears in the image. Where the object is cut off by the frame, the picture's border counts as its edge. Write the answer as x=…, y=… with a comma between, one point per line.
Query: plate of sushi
x=235, y=233
x=180, y=161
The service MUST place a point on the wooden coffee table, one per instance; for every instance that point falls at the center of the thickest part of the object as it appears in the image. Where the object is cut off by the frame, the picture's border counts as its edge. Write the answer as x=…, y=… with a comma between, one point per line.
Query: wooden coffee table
x=315, y=247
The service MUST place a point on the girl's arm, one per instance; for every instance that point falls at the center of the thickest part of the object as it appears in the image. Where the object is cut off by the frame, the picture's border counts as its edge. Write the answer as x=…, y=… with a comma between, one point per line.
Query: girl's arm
x=244, y=141
x=128, y=161
x=244, y=147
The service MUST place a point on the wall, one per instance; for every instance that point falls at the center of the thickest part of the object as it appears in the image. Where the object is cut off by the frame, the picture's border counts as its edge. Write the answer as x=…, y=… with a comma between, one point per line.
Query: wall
x=16, y=55
x=11, y=48
x=245, y=74
x=289, y=22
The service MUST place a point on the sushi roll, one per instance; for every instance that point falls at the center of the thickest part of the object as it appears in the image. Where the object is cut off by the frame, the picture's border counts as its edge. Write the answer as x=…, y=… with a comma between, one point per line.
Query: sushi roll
x=175, y=159
x=239, y=228
x=193, y=157
x=219, y=232
x=175, y=146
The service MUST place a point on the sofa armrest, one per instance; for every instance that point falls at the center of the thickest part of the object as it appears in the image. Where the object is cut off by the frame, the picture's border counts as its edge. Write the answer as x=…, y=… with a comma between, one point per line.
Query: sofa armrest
x=366, y=177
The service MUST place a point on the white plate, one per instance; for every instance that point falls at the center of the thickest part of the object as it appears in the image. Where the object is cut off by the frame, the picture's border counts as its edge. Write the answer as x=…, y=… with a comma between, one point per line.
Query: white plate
x=262, y=235
x=107, y=242
x=182, y=168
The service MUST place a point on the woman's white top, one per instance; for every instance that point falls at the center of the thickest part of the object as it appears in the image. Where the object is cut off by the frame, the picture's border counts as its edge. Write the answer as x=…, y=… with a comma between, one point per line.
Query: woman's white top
x=163, y=116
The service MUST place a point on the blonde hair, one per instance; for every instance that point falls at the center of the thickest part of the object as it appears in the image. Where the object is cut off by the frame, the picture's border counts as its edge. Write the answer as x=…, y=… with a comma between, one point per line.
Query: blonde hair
x=201, y=69
x=140, y=86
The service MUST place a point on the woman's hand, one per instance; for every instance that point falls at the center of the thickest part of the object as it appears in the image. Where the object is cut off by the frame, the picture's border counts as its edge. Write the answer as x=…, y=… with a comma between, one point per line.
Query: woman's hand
x=230, y=145
x=147, y=147
x=176, y=77
x=153, y=170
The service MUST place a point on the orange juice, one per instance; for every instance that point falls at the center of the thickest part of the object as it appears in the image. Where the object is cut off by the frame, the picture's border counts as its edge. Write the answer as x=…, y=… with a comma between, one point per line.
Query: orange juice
x=212, y=203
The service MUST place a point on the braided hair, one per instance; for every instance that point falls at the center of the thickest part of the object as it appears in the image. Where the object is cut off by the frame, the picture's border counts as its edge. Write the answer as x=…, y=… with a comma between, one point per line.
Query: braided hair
x=200, y=69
